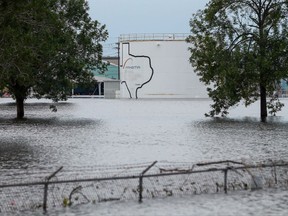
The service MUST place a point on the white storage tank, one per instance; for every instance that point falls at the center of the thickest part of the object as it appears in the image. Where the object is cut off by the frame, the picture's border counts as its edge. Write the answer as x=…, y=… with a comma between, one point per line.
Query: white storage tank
x=157, y=66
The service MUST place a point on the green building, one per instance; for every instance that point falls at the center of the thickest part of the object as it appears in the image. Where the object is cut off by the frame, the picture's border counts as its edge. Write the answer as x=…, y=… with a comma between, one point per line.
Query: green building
x=107, y=82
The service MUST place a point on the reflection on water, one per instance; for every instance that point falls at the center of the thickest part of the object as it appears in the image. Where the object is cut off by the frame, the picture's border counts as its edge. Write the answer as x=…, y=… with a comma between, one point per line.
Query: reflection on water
x=87, y=132
x=245, y=138
x=43, y=138
x=15, y=154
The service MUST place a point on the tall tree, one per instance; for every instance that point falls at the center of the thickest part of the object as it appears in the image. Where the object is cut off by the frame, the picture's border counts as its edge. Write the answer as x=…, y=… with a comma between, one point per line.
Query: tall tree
x=239, y=48
x=45, y=46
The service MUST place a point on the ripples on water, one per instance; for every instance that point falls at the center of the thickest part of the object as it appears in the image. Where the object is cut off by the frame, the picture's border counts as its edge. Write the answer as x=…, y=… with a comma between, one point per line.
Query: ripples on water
x=258, y=203
x=88, y=132
x=243, y=203
x=245, y=138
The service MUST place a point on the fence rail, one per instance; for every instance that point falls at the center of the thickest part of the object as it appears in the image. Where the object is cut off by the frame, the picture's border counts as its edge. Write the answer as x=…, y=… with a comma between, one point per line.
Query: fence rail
x=153, y=37
x=137, y=182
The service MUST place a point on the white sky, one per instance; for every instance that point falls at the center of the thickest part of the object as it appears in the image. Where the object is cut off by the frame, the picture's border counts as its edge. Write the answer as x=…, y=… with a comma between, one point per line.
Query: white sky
x=143, y=16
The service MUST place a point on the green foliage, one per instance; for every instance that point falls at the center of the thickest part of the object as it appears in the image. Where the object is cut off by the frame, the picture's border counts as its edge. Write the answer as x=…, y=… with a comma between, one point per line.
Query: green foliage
x=274, y=105
x=66, y=202
x=47, y=45
x=239, y=49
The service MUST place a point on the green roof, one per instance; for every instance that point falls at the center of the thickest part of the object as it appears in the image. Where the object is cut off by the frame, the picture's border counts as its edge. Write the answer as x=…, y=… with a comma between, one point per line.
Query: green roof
x=111, y=73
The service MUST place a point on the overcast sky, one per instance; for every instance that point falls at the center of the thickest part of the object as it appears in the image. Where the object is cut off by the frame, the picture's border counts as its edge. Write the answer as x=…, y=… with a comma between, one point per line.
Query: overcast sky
x=143, y=16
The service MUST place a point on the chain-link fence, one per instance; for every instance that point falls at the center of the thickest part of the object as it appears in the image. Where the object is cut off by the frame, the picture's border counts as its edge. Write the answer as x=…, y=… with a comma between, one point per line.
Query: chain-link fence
x=138, y=181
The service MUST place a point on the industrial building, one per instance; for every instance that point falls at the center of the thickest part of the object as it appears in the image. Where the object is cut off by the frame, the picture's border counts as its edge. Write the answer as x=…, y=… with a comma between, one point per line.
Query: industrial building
x=157, y=66
x=107, y=83
x=152, y=66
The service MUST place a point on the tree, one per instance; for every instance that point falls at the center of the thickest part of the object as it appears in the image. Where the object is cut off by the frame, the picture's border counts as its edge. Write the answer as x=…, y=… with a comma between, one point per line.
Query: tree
x=240, y=49
x=46, y=46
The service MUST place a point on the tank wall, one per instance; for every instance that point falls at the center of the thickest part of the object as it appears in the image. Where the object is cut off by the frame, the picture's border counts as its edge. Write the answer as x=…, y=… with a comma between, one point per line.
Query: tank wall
x=172, y=75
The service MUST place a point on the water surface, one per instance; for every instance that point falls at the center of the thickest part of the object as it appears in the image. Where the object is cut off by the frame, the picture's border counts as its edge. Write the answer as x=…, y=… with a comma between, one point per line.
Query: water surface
x=93, y=132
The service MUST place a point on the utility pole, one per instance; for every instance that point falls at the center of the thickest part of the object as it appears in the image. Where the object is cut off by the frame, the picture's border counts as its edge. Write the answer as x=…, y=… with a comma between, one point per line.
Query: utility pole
x=118, y=55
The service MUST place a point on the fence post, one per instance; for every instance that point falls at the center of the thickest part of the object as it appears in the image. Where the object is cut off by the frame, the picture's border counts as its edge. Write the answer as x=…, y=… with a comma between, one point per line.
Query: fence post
x=225, y=180
x=45, y=195
x=141, y=180
x=140, y=188
x=275, y=173
x=47, y=179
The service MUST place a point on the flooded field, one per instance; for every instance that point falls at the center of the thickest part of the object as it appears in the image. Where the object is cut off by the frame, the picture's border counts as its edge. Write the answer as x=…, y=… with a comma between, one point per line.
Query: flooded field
x=93, y=132
x=260, y=203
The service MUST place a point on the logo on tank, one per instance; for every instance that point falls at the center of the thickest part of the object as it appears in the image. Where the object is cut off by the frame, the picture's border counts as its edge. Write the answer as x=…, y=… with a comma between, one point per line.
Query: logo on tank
x=128, y=64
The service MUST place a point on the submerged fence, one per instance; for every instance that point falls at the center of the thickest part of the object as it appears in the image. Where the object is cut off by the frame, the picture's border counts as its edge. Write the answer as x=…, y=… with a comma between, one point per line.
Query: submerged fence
x=138, y=181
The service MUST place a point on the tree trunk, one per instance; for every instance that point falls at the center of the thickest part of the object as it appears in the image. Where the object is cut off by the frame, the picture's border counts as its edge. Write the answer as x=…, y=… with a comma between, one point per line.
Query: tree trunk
x=20, y=107
x=263, y=103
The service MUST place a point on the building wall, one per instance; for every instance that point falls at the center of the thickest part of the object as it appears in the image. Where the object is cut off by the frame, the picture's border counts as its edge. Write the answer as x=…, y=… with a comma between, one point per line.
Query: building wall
x=110, y=89
x=111, y=59
x=170, y=75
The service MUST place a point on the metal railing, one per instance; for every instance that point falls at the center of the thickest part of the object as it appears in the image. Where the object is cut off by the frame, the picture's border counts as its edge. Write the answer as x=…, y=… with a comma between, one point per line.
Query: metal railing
x=153, y=37
x=140, y=181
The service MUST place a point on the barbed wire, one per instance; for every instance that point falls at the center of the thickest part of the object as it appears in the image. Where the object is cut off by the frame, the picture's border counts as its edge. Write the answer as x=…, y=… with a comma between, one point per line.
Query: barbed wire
x=103, y=183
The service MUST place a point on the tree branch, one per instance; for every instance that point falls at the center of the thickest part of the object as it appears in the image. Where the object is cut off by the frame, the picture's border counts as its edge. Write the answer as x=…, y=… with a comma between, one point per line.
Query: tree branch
x=234, y=44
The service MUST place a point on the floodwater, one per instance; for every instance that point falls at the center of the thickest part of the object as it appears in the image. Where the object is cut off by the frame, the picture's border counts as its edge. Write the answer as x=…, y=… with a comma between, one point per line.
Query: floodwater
x=260, y=203
x=93, y=132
